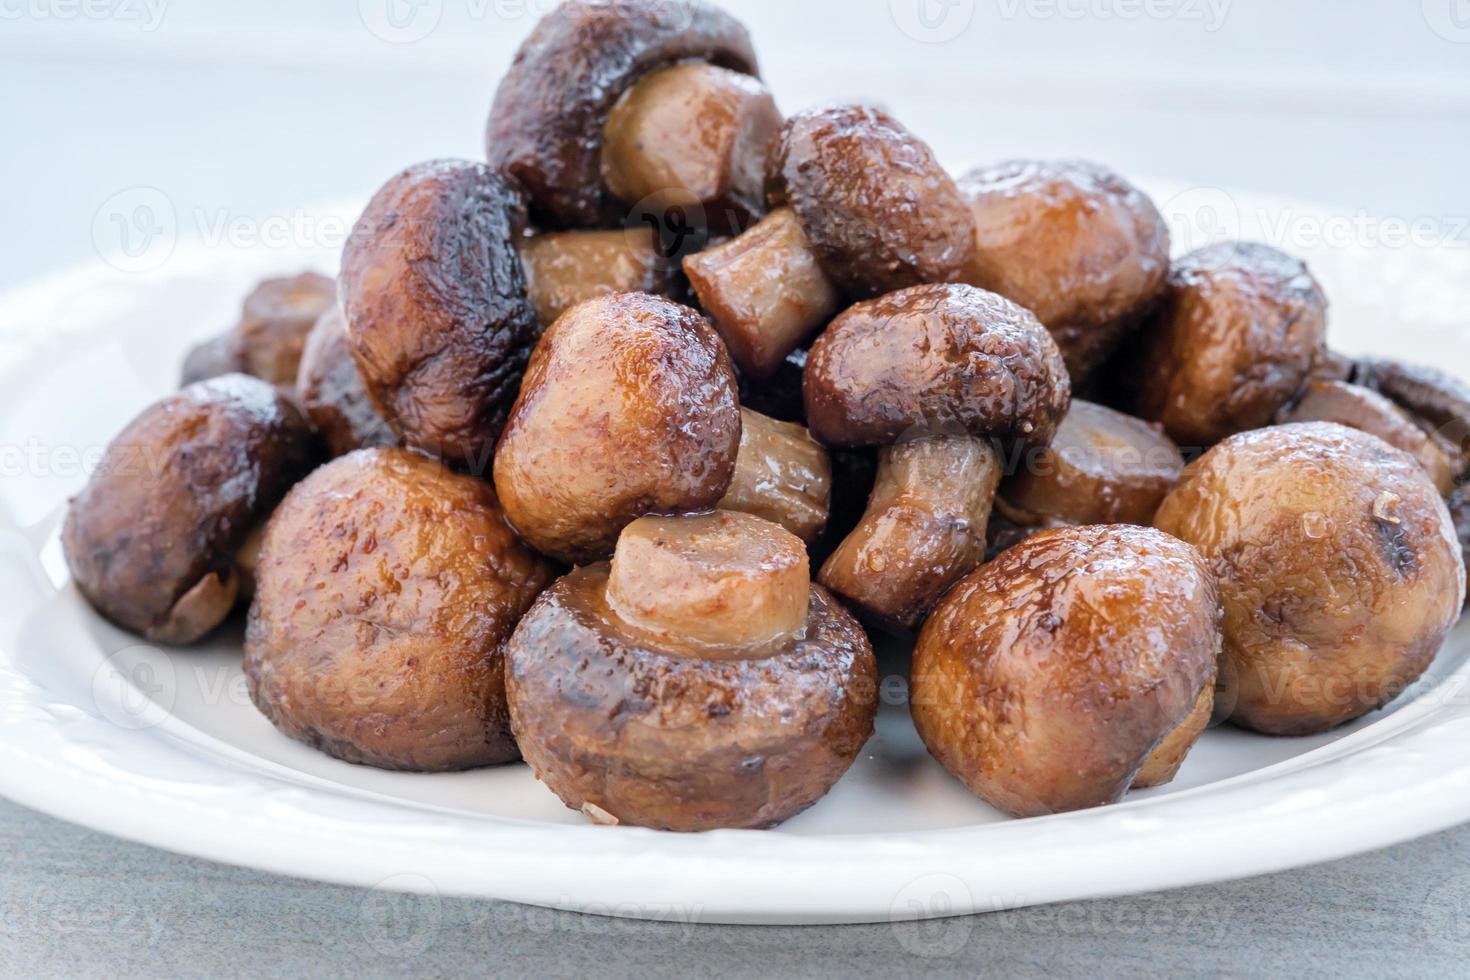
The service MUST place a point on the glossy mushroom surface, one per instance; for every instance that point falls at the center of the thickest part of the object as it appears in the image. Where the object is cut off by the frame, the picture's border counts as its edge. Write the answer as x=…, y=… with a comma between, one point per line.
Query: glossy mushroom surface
x=655, y=728
x=1049, y=678
x=386, y=586
x=1074, y=243
x=436, y=305
x=564, y=268
x=1240, y=330
x=152, y=539
x=329, y=389
x=781, y=474
x=628, y=408
x=547, y=123
x=1340, y=572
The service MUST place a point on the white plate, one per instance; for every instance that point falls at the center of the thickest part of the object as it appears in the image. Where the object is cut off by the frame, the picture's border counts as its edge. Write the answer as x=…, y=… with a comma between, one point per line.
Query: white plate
x=164, y=747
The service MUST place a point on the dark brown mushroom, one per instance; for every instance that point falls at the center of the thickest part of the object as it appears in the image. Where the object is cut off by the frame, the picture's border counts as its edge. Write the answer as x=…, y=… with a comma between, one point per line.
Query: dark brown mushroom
x=212, y=358
x=564, y=268
x=628, y=408
x=1459, y=506
x=152, y=540
x=1074, y=243
x=863, y=208
x=1439, y=402
x=436, y=305
x=386, y=586
x=698, y=682
x=547, y=123
x=954, y=373
x=268, y=340
x=329, y=389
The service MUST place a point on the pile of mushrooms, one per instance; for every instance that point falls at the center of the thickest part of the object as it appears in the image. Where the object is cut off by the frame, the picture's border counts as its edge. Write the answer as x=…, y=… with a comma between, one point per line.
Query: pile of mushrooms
x=610, y=453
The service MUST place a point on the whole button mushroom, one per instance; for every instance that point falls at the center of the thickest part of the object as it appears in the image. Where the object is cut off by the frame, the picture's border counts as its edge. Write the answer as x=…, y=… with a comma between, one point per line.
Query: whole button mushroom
x=436, y=304
x=268, y=341
x=628, y=408
x=700, y=681
x=386, y=586
x=1078, y=664
x=862, y=208
x=1240, y=330
x=1340, y=571
x=1074, y=243
x=153, y=539
x=329, y=389
x=661, y=97
x=948, y=373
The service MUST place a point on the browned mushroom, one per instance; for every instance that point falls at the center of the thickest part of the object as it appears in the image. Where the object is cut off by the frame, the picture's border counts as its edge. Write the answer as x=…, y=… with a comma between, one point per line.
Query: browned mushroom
x=863, y=208
x=946, y=370
x=436, y=306
x=153, y=538
x=700, y=681
x=268, y=341
x=1340, y=572
x=1074, y=243
x=1459, y=506
x=386, y=586
x=1438, y=402
x=550, y=119
x=330, y=390
x=1361, y=408
x=1077, y=664
x=564, y=268
x=628, y=408
x=1103, y=467
x=1241, y=327
x=781, y=474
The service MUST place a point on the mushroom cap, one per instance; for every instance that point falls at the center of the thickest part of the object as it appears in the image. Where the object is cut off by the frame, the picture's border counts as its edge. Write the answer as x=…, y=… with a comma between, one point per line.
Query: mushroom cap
x=173, y=498
x=1047, y=679
x=654, y=734
x=880, y=212
x=386, y=585
x=329, y=388
x=546, y=124
x=629, y=407
x=274, y=322
x=436, y=305
x=931, y=357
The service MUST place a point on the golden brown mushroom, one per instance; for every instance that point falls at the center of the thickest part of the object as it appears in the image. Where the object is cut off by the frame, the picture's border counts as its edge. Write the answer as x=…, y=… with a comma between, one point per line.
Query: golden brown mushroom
x=781, y=474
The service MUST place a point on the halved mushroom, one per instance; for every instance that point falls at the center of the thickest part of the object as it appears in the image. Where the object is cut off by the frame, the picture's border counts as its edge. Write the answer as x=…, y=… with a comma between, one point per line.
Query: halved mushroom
x=628, y=408
x=436, y=306
x=152, y=540
x=329, y=388
x=1074, y=243
x=550, y=120
x=863, y=208
x=1240, y=330
x=564, y=268
x=1340, y=572
x=1361, y=408
x=781, y=474
x=1070, y=668
x=947, y=369
x=268, y=341
x=1103, y=467
x=700, y=681
x=386, y=586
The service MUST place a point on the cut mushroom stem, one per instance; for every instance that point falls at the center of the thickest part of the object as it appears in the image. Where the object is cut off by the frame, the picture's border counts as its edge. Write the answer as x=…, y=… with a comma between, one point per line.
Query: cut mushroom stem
x=199, y=610
x=692, y=136
x=717, y=581
x=924, y=528
x=566, y=268
x=1163, y=765
x=782, y=474
x=765, y=291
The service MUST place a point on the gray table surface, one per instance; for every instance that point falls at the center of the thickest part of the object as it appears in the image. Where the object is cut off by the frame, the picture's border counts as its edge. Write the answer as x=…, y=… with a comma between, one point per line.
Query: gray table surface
x=77, y=903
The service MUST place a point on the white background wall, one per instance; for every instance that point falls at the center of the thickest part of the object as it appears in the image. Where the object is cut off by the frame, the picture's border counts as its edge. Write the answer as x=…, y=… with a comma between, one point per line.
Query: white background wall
x=242, y=114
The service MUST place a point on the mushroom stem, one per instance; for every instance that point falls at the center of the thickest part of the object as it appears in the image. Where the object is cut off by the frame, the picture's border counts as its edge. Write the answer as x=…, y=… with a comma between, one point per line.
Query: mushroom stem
x=566, y=268
x=712, y=581
x=765, y=291
x=923, y=530
x=781, y=474
x=692, y=136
